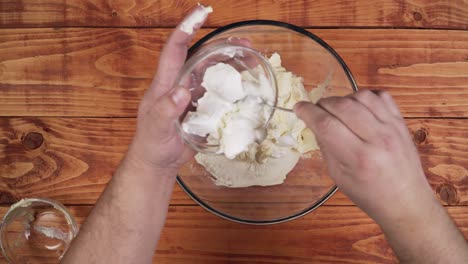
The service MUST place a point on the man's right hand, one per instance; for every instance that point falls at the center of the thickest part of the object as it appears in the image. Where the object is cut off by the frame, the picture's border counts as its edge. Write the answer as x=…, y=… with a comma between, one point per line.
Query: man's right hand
x=369, y=152
x=372, y=158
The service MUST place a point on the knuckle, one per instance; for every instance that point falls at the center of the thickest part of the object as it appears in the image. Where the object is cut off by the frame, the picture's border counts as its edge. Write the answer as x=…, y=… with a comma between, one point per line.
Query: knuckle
x=364, y=95
x=161, y=82
x=384, y=93
x=369, y=98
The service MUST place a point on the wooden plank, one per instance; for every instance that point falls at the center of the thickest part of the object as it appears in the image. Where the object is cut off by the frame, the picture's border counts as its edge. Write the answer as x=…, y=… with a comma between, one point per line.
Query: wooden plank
x=167, y=13
x=71, y=159
x=104, y=72
x=328, y=235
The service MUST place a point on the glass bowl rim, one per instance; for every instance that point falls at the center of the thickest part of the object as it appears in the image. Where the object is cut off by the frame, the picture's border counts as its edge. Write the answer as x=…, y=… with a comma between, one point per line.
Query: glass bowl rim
x=346, y=70
x=23, y=203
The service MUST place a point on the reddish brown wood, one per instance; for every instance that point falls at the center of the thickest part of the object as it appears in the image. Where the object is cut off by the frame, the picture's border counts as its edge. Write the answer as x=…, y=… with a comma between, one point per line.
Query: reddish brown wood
x=331, y=234
x=167, y=13
x=77, y=157
x=104, y=72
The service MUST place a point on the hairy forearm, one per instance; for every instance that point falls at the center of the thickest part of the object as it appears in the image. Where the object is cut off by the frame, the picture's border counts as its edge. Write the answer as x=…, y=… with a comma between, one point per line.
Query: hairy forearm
x=426, y=235
x=126, y=222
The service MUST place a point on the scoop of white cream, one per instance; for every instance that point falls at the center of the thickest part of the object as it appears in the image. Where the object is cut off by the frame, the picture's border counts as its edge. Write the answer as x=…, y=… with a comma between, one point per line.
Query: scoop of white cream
x=219, y=98
x=224, y=81
x=241, y=127
x=197, y=17
x=232, y=112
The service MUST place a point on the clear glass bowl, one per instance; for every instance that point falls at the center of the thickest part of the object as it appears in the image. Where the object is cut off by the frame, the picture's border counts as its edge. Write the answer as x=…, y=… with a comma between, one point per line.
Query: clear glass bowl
x=36, y=231
x=308, y=185
x=190, y=77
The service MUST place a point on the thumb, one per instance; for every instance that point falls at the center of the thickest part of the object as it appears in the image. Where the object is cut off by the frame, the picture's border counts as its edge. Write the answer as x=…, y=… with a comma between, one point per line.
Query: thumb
x=167, y=109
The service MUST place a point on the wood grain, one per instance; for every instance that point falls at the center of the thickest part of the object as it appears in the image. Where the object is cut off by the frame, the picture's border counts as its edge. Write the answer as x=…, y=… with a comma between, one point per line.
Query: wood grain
x=167, y=13
x=71, y=159
x=328, y=235
x=104, y=72
x=68, y=67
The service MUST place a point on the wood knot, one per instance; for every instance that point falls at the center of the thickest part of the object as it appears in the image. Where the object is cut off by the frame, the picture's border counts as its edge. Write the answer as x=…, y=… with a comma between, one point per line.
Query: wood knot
x=114, y=13
x=417, y=16
x=420, y=136
x=33, y=140
x=447, y=194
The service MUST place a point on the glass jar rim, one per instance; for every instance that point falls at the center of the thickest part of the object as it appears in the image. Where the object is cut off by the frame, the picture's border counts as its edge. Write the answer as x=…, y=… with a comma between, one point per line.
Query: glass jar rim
x=222, y=48
x=26, y=202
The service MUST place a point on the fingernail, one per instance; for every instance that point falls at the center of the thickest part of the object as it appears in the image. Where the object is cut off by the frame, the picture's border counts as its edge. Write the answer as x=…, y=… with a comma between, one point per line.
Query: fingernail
x=179, y=96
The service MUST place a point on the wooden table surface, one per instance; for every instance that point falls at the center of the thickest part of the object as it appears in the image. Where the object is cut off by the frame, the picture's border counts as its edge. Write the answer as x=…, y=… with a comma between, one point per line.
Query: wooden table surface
x=73, y=71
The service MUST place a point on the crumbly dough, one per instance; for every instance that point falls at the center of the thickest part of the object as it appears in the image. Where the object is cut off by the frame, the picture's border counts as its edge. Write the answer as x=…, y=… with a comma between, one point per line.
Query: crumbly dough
x=244, y=173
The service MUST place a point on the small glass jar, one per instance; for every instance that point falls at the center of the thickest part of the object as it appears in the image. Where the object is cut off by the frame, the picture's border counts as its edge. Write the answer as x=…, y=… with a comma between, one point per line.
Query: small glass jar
x=240, y=57
x=36, y=230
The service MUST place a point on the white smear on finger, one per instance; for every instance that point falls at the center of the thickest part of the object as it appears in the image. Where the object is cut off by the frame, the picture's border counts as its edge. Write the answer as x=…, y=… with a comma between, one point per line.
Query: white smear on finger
x=197, y=17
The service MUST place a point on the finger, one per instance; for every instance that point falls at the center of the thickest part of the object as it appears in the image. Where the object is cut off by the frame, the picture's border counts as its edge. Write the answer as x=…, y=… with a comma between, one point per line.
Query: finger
x=372, y=101
x=175, y=52
x=355, y=116
x=167, y=109
x=398, y=120
x=384, y=108
x=390, y=103
x=332, y=135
